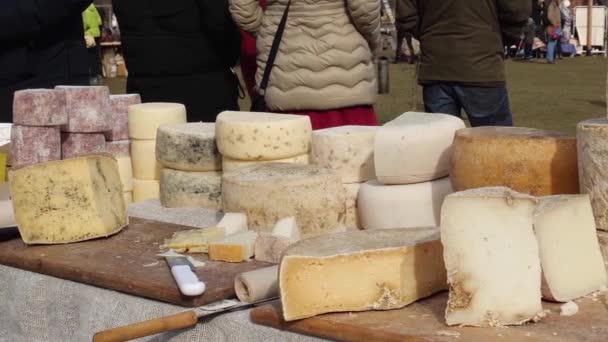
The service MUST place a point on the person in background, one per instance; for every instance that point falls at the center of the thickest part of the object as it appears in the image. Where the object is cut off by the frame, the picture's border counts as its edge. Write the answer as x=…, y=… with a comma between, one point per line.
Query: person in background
x=181, y=51
x=462, y=63
x=528, y=38
x=324, y=68
x=248, y=60
x=42, y=46
x=553, y=29
x=92, y=23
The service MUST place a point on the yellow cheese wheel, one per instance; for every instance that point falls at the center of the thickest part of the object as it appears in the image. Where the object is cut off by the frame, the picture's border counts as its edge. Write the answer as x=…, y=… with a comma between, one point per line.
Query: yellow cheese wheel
x=145, y=190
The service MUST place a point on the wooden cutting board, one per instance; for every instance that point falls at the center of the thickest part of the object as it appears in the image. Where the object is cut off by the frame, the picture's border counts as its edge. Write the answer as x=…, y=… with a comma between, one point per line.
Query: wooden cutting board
x=125, y=262
x=424, y=321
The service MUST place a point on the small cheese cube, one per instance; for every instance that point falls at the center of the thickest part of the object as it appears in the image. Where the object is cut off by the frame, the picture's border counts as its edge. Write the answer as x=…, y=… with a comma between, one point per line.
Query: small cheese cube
x=233, y=223
x=287, y=227
x=233, y=248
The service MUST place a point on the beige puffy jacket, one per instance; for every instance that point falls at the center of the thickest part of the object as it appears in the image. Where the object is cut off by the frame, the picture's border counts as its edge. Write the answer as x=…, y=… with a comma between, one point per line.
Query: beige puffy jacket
x=325, y=57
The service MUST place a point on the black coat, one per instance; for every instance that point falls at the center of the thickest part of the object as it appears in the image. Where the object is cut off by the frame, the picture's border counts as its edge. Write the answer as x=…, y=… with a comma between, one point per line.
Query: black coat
x=41, y=46
x=181, y=51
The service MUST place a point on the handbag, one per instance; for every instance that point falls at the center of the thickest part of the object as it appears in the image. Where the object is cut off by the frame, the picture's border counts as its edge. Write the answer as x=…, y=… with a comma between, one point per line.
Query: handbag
x=258, y=102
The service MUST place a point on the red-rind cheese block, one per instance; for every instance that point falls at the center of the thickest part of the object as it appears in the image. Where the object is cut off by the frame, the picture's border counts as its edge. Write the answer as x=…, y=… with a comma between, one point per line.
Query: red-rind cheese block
x=88, y=109
x=78, y=144
x=39, y=107
x=120, y=148
x=528, y=160
x=31, y=145
x=119, y=123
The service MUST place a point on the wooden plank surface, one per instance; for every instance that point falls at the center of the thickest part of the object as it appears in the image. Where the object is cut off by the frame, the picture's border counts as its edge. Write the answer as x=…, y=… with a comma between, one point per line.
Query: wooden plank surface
x=424, y=321
x=117, y=263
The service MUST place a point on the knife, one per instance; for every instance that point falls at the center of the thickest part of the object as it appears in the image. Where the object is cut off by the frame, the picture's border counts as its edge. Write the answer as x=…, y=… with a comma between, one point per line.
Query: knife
x=183, y=273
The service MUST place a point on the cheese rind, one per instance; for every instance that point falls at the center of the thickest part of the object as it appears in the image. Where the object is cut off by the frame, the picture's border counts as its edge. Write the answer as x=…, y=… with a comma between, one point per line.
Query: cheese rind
x=491, y=257
x=74, y=145
x=119, y=109
x=570, y=254
x=270, y=247
x=31, y=145
x=360, y=270
x=145, y=190
x=401, y=206
x=143, y=155
x=262, y=136
x=188, y=147
x=88, y=109
x=346, y=150
x=145, y=118
x=126, y=173
x=39, y=107
x=270, y=191
x=234, y=248
x=351, y=192
x=183, y=189
x=527, y=160
x=233, y=164
x=68, y=201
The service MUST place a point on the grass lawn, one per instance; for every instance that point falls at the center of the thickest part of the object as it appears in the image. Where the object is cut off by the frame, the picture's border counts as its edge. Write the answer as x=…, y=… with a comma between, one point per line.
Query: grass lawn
x=554, y=97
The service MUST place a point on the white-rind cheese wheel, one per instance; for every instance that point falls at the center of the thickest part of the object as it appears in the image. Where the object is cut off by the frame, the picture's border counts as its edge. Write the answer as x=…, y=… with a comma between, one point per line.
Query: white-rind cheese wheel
x=145, y=118
x=346, y=150
x=415, y=148
x=401, y=206
x=185, y=189
x=262, y=136
x=188, y=147
x=143, y=156
x=271, y=191
x=352, y=221
x=233, y=164
x=145, y=190
x=125, y=170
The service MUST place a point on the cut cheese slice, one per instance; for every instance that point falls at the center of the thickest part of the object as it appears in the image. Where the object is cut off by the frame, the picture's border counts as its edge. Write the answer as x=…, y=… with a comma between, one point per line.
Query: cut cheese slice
x=270, y=191
x=491, y=257
x=401, y=206
x=233, y=164
x=352, y=221
x=183, y=189
x=188, y=147
x=527, y=160
x=128, y=196
x=145, y=190
x=233, y=223
x=68, y=201
x=346, y=150
x=145, y=118
x=195, y=240
x=233, y=248
x=360, y=270
x=262, y=136
x=287, y=227
x=126, y=173
x=570, y=255
x=143, y=156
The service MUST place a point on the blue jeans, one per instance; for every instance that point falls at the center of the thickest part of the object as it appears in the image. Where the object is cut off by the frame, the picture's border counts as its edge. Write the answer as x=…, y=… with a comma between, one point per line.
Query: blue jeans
x=551, y=45
x=484, y=106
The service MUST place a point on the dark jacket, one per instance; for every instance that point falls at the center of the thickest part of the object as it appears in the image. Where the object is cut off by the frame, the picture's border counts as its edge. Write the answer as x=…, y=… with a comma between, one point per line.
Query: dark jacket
x=181, y=51
x=462, y=40
x=41, y=46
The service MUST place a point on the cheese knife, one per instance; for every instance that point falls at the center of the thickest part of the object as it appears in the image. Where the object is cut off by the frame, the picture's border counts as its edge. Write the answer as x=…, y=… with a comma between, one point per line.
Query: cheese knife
x=183, y=273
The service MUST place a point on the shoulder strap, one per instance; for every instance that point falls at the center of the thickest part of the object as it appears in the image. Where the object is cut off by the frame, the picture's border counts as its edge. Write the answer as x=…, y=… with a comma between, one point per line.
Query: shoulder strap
x=274, y=49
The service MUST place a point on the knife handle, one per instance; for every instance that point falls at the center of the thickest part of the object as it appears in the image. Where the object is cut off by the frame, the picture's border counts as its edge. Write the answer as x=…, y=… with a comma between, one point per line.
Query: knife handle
x=187, y=281
x=147, y=328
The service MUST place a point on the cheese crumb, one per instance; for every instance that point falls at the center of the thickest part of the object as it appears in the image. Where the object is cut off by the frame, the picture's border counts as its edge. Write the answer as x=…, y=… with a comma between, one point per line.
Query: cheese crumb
x=569, y=309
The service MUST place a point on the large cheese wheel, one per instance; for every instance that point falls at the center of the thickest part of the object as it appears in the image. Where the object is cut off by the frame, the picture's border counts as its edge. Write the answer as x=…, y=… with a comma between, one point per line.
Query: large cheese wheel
x=229, y=164
x=351, y=192
x=401, y=206
x=188, y=147
x=128, y=196
x=346, y=150
x=143, y=155
x=592, y=142
x=527, y=160
x=39, y=107
x=125, y=169
x=145, y=190
x=271, y=191
x=88, y=109
x=119, y=123
x=186, y=189
x=145, y=118
x=415, y=147
x=31, y=145
x=262, y=136
x=79, y=144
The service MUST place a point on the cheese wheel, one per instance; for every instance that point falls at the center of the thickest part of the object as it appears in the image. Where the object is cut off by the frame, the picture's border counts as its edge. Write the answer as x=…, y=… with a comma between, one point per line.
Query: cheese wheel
x=128, y=196
x=145, y=190
x=415, y=147
x=188, y=147
x=351, y=191
x=271, y=191
x=78, y=144
x=143, y=156
x=119, y=148
x=39, y=107
x=88, y=109
x=527, y=160
x=401, y=206
x=592, y=142
x=145, y=118
x=119, y=114
x=125, y=170
x=233, y=164
x=31, y=145
x=262, y=136
x=346, y=150
x=185, y=189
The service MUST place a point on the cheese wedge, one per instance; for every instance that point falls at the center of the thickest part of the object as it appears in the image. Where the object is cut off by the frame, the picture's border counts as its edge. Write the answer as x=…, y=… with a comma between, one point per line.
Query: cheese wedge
x=194, y=241
x=234, y=248
x=233, y=223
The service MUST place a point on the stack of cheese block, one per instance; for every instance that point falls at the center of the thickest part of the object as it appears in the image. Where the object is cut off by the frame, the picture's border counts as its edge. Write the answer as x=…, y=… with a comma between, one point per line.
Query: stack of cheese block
x=143, y=121
x=191, y=175
x=411, y=160
x=347, y=151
